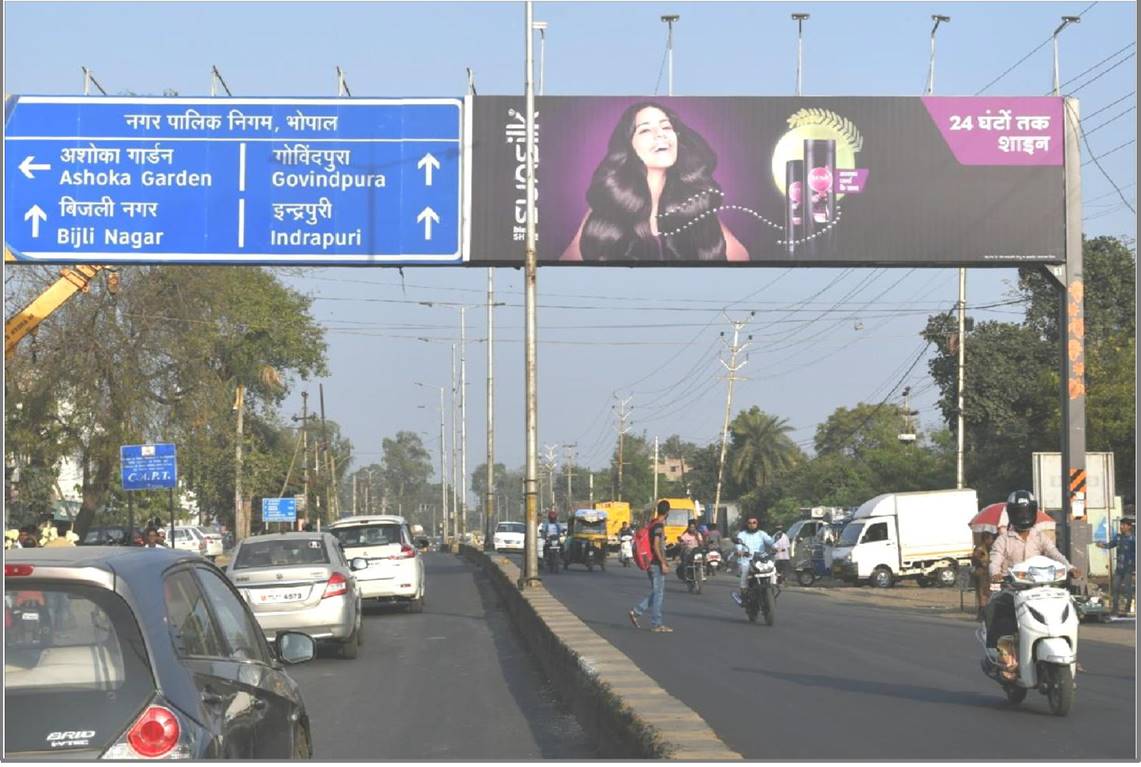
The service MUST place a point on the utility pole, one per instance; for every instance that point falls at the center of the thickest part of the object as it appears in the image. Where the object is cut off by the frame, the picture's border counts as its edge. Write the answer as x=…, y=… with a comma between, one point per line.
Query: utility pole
x=305, y=448
x=623, y=427
x=591, y=476
x=330, y=465
x=463, y=427
x=241, y=519
x=732, y=367
x=489, y=499
x=368, y=494
x=454, y=531
x=799, y=18
x=1066, y=21
x=568, y=463
x=669, y=19
x=938, y=19
x=655, y=498
x=541, y=27
x=530, y=346
x=443, y=471
x=354, y=494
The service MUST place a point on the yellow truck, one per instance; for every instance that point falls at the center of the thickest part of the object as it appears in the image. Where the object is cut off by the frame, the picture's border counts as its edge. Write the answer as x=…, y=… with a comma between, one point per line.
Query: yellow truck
x=682, y=510
x=617, y=513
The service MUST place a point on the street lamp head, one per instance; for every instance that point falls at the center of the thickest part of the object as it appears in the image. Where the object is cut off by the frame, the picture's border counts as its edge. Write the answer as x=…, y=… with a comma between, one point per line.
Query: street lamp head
x=1067, y=20
x=539, y=26
x=670, y=18
x=938, y=18
x=800, y=16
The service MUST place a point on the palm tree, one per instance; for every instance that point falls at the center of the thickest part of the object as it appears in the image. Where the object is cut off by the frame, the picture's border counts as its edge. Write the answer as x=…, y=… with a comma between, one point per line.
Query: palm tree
x=761, y=448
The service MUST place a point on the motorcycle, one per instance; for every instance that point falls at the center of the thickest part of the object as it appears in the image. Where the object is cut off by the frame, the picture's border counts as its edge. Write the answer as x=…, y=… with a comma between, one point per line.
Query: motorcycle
x=761, y=589
x=691, y=569
x=626, y=550
x=712, y=562
x=552, y=553
x=1045, y=640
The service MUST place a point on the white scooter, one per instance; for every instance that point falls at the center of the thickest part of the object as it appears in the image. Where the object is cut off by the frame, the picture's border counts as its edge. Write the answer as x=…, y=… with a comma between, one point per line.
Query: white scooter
x=626, y=549
x=1046, y=638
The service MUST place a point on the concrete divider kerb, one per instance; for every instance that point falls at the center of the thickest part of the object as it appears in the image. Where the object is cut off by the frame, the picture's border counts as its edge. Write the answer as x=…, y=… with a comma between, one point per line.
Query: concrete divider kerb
x=590, y=674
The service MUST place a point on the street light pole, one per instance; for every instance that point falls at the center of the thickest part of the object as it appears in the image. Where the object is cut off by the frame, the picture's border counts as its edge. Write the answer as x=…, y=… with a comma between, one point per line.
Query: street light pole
x=1066, y=21
x=541, y=28
x=799, y=18
x=669, y=19
x=938, y=19
x=463, y=426
x=489, y=499
x=530, y=361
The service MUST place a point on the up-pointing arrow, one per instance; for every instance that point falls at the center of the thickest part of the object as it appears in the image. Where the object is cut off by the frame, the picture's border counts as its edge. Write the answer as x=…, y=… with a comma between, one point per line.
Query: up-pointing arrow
x=428, y=163
x=27, y=166
x=428, y=217
x=36, y=214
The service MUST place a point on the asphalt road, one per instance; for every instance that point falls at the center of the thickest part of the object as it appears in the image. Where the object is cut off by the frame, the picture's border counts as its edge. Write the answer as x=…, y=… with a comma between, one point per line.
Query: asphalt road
x=451, y=683
x=833, y=680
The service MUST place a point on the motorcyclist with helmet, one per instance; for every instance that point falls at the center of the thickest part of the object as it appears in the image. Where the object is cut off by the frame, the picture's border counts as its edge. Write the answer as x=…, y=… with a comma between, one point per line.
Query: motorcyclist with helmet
x=1021, y=541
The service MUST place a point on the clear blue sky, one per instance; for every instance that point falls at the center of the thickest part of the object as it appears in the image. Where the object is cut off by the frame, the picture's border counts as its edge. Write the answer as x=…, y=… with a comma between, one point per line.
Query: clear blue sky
x=669, y=323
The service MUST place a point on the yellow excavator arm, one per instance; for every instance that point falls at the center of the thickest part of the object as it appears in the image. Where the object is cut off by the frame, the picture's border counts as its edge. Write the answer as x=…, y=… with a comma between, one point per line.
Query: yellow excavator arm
x=76, y=279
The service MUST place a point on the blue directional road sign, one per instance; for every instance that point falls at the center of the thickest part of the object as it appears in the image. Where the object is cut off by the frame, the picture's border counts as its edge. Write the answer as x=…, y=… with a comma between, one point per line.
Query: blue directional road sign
x=252, y=180
x=148, y=467
x=278, y=509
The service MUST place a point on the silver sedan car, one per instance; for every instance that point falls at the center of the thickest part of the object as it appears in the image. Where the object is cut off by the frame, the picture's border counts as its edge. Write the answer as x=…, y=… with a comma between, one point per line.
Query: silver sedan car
x=300, y=582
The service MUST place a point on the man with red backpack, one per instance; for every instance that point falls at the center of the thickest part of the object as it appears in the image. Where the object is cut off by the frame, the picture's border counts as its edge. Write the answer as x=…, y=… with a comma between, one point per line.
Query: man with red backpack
x=653, y=561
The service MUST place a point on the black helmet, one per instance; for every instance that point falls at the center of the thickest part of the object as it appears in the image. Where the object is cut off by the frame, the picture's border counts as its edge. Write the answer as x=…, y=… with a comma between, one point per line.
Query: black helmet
x=1021, y=510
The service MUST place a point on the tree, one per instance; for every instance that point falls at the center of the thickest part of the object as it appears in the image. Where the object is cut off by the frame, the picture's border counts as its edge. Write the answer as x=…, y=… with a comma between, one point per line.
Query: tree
x=637, y=470
x=761, y=448
x=159, y=360
x=407, y=468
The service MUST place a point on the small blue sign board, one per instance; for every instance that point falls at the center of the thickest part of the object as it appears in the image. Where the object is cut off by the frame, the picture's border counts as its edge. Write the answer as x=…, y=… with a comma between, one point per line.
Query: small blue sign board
x=278, y=509
x=225, y=180
x=148, y=467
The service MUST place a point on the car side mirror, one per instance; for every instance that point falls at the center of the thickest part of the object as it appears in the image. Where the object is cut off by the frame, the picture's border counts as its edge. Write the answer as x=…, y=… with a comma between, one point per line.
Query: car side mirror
x=358, y=563
x=294, y=647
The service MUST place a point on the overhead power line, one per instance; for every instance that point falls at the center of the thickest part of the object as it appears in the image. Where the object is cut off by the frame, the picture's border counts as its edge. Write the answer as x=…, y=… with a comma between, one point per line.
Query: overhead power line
x=1085, y=72
x=1110, y=104
x=1103, y=73
x=1022, y=60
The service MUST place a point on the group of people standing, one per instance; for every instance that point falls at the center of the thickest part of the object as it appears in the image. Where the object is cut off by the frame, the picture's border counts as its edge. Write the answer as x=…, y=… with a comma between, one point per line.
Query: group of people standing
x=750, y=540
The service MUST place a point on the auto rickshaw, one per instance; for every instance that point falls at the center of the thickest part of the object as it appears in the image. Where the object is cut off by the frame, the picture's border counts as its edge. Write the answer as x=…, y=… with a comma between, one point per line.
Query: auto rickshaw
x=586, y=539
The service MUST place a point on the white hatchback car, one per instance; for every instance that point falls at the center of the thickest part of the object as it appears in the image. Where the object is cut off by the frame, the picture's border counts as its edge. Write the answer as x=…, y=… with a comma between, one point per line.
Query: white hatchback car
x=395, y=571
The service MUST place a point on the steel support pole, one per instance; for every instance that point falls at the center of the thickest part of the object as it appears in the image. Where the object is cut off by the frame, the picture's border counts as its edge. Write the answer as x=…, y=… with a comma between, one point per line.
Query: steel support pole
x=454, y=530
x=1071, y=324
x=530, y=362
x=655, y=498
x=962, y=373
x=443, y=474
x=241, y=519
x=463, y=427
x=489, y=500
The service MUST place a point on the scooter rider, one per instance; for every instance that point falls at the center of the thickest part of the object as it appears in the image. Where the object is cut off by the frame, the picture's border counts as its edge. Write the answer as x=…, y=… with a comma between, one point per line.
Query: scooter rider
x=1021, y=541
x=753, y=540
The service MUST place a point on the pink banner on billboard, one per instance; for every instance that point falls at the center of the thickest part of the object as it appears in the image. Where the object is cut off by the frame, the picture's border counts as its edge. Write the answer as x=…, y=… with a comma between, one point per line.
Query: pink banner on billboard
x=1000, y=131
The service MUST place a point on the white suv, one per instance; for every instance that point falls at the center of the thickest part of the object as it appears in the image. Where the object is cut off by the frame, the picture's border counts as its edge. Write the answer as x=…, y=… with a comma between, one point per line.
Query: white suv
x=395, y=571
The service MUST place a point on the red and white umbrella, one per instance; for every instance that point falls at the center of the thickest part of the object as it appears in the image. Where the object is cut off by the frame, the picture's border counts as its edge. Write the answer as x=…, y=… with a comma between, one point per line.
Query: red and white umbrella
x=992, y=517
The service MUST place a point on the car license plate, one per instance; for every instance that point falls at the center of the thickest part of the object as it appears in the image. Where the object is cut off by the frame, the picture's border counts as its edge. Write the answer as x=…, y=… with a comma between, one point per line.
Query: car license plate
x=278, y=597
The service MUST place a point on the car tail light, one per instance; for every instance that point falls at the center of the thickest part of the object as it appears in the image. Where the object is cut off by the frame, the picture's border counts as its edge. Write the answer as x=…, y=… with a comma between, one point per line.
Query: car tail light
x=156, y=734
x=11, y=571
x=337, y=586
x=406, y=552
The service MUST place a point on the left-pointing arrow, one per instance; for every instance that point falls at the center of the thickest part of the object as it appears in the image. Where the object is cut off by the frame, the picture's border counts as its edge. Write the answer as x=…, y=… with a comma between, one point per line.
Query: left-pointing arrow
x=36, y=214
x=27, y=166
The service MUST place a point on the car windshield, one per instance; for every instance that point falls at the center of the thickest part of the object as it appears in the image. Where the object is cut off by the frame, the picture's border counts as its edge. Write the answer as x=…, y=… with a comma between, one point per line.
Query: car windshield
x=74, y=660
x=281, y=553
x=851, y=534
x=379, y=534
x=511, y=527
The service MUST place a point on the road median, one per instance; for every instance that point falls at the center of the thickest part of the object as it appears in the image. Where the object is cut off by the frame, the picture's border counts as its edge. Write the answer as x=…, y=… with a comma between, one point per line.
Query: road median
x=623, y=709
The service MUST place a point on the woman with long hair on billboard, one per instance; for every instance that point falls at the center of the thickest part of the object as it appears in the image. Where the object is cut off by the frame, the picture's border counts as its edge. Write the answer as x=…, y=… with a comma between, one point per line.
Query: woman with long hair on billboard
x=653, y=197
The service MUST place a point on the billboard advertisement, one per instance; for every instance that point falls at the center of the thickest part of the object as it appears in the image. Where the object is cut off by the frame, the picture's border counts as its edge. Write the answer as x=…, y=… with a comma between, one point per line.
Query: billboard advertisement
x=625, y=181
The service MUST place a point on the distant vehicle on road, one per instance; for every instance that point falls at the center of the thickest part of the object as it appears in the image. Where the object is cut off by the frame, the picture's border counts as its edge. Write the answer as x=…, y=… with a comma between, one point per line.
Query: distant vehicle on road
x=142, y=653
x=395, y=569
x=301, y=582
x=112, y=535
x=617, y=514
x=199, y=540
x=509, y=536
x=922, y=535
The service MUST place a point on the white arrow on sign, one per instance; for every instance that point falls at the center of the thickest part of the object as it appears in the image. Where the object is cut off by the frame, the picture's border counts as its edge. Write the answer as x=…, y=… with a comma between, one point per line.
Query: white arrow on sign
x=429, y=217
x=428, y=163
x=36, y=213
x=27, y=166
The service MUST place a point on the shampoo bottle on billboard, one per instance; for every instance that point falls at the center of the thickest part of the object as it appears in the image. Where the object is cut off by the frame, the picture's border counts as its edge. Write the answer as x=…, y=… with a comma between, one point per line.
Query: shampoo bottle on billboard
x=820, y=202
x=794, y=205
